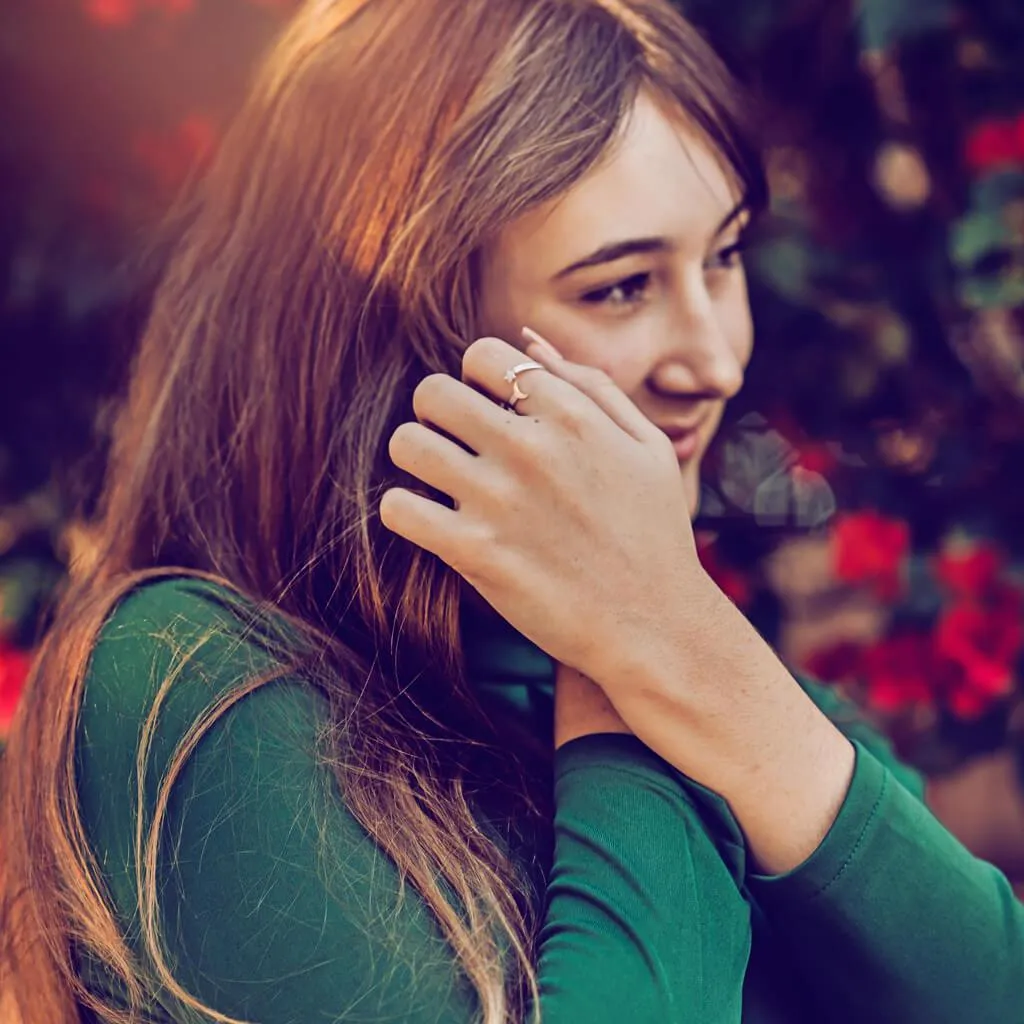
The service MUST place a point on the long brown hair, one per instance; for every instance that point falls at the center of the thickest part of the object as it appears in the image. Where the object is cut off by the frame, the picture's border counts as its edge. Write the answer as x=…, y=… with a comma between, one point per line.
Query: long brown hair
x=328, y=266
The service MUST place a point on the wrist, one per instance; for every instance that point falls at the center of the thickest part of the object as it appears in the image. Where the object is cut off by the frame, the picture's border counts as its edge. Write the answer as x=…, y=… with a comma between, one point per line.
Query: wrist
x=787, y=804
x=650, y=646
x=713, y=699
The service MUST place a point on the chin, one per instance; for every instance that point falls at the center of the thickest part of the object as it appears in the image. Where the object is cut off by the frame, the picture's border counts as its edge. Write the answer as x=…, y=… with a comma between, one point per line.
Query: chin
x=691, y=484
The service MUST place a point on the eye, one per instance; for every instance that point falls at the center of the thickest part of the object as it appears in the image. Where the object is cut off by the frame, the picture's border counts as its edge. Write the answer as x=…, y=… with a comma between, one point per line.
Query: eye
x=627, y=292
x=729, y=257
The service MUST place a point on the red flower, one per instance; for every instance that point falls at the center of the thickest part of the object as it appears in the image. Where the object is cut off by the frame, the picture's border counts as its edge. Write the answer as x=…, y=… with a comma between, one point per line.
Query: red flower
x=969, y=573
x=1017, y=129
x=730, y=581
x=983, y=643
x=902, y=672
x=993, y=144
x=816, y=458
x=1008, y=598
x=833, y=664
x=14, y=666
x=869, y=548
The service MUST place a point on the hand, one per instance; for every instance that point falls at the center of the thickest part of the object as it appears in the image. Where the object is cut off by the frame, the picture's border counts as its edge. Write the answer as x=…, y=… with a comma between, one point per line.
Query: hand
x=571, y=520
x=570, y=515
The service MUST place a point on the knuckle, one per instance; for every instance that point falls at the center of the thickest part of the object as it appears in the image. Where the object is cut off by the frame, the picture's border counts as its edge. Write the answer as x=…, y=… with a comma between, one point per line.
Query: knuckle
x=535, y=447
x=480, y=541
x=505, y=493
x=530, y=449
x=484, y=353
x=475, y=552
x=572, y=414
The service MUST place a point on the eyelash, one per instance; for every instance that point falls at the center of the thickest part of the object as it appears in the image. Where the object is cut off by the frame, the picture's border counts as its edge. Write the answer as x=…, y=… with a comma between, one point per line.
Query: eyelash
x=724, y=259
x=727, y=257
x=599, y=296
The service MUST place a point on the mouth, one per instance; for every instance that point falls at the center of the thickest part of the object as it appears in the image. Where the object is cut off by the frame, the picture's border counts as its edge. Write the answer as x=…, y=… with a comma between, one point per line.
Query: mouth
x=685, y=438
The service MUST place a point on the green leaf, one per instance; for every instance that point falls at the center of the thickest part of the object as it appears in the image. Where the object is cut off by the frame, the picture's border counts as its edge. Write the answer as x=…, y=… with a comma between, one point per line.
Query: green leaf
x=23, y=582
x=977, y=234
x=1003, y=292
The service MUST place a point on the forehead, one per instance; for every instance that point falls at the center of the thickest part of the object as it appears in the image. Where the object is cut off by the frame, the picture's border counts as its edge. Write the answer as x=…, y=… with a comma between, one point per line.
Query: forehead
x=661, y=178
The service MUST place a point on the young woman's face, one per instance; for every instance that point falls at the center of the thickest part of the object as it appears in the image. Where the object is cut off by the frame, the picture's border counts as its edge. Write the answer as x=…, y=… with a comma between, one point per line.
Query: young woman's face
x=636, y=271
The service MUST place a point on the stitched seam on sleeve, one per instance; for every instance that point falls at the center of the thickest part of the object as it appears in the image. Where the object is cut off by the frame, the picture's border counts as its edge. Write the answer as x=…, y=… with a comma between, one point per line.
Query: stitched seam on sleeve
x=860, y=839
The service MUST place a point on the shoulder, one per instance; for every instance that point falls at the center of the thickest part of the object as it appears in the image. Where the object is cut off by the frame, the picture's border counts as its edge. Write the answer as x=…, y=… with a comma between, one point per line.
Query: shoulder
x=175, y=656
x=169, y=621
x=174, y=651
x=179, y=643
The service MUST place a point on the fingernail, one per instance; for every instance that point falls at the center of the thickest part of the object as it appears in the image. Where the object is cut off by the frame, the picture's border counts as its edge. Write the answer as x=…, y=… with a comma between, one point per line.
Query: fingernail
x=533, y=338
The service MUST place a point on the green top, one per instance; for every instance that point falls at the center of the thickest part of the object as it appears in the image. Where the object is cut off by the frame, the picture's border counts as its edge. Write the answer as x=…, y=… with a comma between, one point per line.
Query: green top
x=277, y=907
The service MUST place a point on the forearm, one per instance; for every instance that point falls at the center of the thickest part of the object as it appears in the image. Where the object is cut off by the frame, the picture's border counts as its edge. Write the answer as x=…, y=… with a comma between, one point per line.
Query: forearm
x=891, y=920
x=717, y=703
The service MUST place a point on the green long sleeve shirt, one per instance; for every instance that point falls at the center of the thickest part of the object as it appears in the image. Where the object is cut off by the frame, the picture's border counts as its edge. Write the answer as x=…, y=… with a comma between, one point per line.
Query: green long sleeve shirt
x=277, y=907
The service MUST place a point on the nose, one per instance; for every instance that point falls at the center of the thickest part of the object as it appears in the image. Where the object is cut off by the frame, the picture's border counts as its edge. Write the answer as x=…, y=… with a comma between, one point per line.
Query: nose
x=701, y=356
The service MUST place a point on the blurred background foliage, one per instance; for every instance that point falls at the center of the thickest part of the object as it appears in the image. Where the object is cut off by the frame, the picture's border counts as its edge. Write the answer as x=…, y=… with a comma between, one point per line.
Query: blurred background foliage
x=864, y=502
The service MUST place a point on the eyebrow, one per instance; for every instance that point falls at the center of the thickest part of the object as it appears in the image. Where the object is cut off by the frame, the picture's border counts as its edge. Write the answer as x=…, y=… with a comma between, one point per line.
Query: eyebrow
x=633, y=246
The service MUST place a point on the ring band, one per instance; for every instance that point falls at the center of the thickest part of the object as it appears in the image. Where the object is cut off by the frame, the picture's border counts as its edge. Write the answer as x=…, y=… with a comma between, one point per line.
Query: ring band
x=512, y=377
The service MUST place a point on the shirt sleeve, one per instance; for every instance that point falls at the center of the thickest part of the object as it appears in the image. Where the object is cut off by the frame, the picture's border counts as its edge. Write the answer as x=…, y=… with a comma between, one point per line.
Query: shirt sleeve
x=891, y=920
x=645, y=922
x=277, y=907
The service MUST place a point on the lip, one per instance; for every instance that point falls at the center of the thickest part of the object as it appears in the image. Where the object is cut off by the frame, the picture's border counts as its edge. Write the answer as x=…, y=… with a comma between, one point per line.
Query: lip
x=685, y=438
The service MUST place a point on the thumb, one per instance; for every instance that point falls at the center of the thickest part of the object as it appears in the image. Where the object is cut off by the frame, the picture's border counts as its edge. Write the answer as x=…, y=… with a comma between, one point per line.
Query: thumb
x=594, y=383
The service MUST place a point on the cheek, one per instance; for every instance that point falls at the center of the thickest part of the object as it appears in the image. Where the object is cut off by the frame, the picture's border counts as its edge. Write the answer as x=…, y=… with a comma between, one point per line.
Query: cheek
x=737, y=322
x=621, y=351
x=619, y=348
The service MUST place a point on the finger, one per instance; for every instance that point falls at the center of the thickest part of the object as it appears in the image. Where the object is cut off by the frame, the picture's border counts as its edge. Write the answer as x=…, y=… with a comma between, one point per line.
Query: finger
x=437, y=461
x=485, y=365
x=426, y=523
x=594, y=383
x=460, y=411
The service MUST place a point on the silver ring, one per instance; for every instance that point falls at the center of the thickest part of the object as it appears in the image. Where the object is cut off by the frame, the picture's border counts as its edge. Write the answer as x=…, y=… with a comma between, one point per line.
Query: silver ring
x=512, y=377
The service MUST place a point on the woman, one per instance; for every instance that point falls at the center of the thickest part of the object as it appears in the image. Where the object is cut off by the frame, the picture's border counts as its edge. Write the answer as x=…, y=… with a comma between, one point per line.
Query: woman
x=279, y=763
